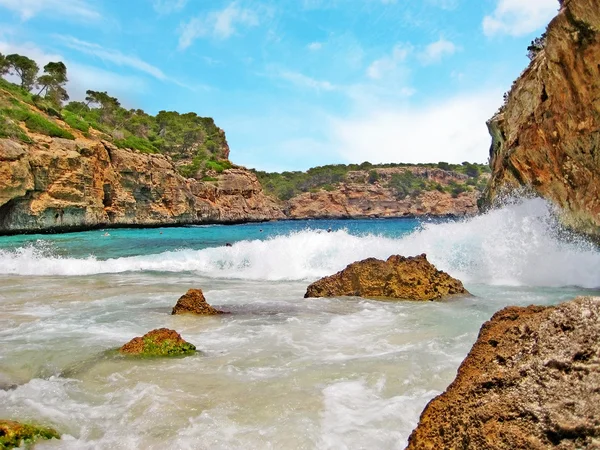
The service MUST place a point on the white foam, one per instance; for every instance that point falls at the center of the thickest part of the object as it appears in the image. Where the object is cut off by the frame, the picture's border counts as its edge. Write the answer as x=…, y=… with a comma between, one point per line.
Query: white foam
x=515, y=245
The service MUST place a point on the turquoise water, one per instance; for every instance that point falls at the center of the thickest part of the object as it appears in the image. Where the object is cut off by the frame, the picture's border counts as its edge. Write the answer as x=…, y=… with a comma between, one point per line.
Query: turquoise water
x=122, y=242
x=280, y=371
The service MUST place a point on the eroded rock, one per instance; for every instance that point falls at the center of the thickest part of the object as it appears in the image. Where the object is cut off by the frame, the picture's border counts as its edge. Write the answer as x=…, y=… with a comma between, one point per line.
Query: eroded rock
x=532, y=380
x=412, y=278
x=14, y=434
x=193, y=302
x=160, y=342
x=546, y=137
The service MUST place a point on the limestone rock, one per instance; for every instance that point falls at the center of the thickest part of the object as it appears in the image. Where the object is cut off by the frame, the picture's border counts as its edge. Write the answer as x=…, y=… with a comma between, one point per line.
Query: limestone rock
x=546, y=137
x=355, y=198
x=66, y=185
x=193, y=302
x=160, y=342
x=13, y=434
x=530, y=381
x=412, y=278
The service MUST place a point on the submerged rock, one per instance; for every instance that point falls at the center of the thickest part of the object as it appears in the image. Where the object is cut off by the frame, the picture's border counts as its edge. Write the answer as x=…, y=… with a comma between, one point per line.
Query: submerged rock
x=160, y=342
x=412, y=278
x=532, y=380
x=193, y=302
x=13, y=434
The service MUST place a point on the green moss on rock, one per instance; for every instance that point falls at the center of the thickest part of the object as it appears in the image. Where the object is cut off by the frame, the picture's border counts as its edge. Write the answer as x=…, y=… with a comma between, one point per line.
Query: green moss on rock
x=14, y=434
x=158, y=343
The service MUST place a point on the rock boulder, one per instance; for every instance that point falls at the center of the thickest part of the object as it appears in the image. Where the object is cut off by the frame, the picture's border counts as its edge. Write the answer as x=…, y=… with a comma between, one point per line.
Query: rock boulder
x=14, y=434
x=532, y=380
x=160, y=342
x=412, y=278
x=193, y=302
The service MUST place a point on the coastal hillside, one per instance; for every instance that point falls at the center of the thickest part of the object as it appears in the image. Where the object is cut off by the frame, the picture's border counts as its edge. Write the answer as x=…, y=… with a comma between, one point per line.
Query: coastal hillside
x=546, y=137
x=80, y=165
x=95, y=165
x=384, y=190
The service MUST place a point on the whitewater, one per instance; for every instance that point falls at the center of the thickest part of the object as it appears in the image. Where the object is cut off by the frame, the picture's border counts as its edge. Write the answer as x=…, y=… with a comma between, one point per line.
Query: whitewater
x=281, y=371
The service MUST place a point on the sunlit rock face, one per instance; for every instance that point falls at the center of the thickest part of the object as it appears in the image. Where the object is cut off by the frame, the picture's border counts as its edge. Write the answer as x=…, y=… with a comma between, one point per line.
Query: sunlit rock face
x=58, y=184
x=399, y=277
x=530, y=381
x=547, y=136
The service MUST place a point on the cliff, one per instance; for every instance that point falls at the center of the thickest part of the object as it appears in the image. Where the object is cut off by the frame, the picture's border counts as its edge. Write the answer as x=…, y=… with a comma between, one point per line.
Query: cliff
x=59, y=184
x=393, y=192
x=530, y=381
x=546, y=137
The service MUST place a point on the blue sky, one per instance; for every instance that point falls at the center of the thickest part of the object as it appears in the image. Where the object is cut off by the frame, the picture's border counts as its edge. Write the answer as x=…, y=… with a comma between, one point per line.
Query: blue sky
x=297, y=83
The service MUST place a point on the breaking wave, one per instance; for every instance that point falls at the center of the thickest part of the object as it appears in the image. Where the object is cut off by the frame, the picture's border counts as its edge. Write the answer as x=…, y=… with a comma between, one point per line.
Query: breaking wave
x=519, y=244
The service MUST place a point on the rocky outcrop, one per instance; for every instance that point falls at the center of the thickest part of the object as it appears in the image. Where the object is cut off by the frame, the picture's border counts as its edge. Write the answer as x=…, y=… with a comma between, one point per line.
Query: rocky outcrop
x=160, y=342
x=547, y=136
x=530, y=381
x=373, y=201
x=357, y=198
x=58, y=184
x=14, y=434
x=193, y=302
x=412, y=278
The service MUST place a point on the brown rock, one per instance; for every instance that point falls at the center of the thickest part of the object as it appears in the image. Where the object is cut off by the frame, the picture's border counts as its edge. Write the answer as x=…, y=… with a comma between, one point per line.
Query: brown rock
x=547, y=136
x=88, y=183
x=530, y=381
x=13, y=434
x=356, y=198
x=193, y=302
x=160, y=342
x=412, y=278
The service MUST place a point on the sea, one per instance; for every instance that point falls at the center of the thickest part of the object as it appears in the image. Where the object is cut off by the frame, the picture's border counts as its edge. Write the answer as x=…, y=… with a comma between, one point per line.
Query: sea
x=280, y=371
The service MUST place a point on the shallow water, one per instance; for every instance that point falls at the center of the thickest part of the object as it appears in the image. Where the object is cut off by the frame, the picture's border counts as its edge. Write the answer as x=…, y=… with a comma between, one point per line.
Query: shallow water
x=281, y=371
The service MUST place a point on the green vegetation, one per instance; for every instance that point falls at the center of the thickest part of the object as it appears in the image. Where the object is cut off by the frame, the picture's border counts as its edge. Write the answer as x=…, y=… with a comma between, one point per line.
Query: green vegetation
x=167, y=347
x=536, y=46
x=286, y=185
x=35, y=122
x=15, y=434
x=196, y=145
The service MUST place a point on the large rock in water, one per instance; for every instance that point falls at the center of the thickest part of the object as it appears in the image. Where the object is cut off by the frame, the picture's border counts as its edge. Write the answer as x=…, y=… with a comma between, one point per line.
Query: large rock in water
x=13, y=434
x=412, y=278
x=532, y=380
x=193, y=302
x=547, y=136
x=160, y=342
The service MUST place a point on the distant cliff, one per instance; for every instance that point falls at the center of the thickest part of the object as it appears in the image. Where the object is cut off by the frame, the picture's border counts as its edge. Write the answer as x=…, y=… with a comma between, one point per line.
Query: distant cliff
x=546, y=137
x=394, y=192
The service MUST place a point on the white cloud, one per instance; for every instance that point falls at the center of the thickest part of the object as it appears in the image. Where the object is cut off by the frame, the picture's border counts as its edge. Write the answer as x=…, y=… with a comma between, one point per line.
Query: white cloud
x=78, y=9
x=168, y=6
x=388, y=64
x=451, y=130
x=217, y=24
x=314, y=46
x=519, y=17
x=304, y=81
x=113, y=56
x=435, y=51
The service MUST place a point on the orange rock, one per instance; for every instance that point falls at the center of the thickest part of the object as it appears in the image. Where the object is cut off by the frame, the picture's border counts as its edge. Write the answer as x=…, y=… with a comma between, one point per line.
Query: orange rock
x=160, y=342
x=547, y=135
x=531, y=381
x=193, y=302
x=412, y=278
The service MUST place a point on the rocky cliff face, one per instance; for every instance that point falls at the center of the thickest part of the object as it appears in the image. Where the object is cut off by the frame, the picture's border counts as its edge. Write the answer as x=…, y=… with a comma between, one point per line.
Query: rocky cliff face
x=58, y=184
x=547, y=136
x=355, y=198
x=530, y=381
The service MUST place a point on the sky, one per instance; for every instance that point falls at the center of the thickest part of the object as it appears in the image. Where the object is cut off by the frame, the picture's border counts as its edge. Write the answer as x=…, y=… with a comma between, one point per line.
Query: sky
x=297, y=83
